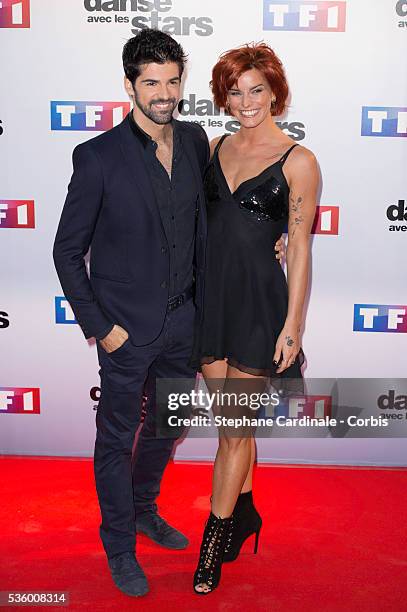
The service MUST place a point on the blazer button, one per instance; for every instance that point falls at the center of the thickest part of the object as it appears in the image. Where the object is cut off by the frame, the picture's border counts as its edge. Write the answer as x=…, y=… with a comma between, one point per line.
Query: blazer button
x=163, y=284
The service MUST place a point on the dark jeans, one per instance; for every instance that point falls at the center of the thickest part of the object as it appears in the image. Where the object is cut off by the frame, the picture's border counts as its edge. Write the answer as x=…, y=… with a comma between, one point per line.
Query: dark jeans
x=128, y=485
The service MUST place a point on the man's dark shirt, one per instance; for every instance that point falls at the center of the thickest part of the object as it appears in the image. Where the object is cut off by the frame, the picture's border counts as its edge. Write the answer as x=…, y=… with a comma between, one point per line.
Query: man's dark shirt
x=177, y=201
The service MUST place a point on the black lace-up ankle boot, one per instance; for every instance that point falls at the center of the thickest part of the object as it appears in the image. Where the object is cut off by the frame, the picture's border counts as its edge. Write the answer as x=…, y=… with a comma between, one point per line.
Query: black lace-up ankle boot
x=211, y=554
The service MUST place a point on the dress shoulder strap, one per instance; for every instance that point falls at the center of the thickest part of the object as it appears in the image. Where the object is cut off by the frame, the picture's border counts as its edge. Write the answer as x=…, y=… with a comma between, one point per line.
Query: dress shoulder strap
x=219, y=144
x=287, y=153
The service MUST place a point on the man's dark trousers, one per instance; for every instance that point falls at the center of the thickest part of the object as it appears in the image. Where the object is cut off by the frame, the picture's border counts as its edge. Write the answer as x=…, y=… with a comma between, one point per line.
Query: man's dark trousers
x=123, y=374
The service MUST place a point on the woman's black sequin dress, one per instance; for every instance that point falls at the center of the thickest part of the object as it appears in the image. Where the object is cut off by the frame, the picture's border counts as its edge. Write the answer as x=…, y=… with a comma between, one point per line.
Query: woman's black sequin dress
x=246, y=294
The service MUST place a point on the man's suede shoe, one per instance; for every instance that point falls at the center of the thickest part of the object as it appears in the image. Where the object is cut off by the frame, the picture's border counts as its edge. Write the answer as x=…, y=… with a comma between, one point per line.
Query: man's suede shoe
x=152, y=525
x=128, y=575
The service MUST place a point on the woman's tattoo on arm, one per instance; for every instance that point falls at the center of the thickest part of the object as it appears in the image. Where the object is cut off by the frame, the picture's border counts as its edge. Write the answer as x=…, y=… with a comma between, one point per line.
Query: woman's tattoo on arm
x=297, y=218
x=289, y=340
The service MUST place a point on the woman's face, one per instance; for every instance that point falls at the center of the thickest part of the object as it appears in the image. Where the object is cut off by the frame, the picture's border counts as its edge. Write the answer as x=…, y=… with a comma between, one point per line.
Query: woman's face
x=250, y=99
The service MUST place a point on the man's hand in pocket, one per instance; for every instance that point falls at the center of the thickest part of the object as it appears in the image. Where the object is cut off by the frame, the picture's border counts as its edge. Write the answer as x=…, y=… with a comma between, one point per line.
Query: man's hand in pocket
x=114, y=339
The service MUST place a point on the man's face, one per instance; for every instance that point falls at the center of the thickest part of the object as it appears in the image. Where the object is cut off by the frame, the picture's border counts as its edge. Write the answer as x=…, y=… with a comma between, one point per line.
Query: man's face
x=156, y=91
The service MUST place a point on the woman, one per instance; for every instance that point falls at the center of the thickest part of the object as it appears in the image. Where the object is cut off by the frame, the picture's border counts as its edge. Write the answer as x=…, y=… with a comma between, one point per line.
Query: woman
x=257, y=181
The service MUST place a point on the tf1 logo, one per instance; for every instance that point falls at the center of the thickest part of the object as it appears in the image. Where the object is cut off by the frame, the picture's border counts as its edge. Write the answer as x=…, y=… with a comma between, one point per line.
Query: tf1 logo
x=63, y=312
x=17, y=214
x=304, y=15
x=326, y=220
x=87, y=116
x=384, y=121
x=313, y=406
x=380, y=318
x=19, y=400
x=14, y=13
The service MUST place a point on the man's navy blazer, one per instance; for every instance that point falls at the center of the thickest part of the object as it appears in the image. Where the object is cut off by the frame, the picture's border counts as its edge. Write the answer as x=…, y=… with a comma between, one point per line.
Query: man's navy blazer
x=111, y=208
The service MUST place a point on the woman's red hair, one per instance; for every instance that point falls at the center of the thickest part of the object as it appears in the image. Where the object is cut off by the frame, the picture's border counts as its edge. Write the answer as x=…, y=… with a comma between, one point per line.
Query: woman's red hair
x=232, y=64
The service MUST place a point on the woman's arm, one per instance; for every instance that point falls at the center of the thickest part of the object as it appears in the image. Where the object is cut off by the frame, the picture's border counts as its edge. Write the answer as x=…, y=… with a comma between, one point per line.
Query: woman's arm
x=302, y=202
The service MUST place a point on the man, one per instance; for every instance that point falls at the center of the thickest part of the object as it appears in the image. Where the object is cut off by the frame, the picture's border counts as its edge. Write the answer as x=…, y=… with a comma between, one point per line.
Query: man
x=136, y=198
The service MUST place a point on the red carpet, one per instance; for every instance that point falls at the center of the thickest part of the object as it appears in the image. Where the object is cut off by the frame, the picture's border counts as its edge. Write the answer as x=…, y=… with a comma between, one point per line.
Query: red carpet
x=333, y=539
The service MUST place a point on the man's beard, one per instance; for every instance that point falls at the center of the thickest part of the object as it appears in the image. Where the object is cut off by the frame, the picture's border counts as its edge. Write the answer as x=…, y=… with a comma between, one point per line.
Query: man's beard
x=158, y=116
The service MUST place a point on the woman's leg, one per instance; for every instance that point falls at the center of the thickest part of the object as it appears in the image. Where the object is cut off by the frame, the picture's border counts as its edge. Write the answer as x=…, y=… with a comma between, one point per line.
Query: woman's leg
x=248, y=483
x=235, y=455
x=215, y=375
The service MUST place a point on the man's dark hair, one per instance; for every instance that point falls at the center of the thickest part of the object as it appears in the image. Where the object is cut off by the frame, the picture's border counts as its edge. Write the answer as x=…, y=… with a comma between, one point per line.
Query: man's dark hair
x=151, y=46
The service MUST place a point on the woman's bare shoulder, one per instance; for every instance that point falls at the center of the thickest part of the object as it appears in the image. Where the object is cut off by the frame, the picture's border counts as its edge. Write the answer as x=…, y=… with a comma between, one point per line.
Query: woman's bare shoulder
x=301, y=166
x=214, y=142
x=302, y=156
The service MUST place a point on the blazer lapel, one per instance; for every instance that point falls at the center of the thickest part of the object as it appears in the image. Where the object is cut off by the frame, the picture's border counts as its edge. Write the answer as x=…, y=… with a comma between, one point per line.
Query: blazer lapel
x=137, y=167
x=201, y=226
x=193, y=158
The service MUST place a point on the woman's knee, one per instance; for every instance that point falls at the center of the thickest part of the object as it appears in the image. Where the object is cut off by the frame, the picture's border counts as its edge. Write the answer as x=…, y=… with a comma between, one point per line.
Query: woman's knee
x=233, y=443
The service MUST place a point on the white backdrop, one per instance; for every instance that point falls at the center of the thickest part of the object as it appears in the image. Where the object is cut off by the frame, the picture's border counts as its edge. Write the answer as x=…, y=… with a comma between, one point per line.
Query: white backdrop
x=344, y=62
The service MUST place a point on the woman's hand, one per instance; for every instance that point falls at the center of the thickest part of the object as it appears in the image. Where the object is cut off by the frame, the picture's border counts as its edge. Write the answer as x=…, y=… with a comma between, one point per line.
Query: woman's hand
x=279, y=247
x=287, y=347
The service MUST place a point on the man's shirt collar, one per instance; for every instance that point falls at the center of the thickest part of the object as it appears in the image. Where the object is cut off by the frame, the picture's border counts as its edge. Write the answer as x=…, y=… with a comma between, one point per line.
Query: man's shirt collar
x=143, y=137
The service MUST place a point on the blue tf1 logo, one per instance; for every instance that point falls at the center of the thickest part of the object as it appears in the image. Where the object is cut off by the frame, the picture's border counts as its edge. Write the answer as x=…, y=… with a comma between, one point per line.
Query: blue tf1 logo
x=304, y=15
x=380, y=318
x=63, y=312
x=85, y=116
x=384, y=121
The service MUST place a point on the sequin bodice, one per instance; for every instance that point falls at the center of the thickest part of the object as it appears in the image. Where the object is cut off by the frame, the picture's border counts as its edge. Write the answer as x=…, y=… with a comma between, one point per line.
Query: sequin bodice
x=266, y=201
x=261, y=198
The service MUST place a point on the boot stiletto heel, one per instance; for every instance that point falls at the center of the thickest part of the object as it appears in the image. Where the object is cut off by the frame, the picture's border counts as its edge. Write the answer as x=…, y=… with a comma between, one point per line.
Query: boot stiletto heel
x=246, y=522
